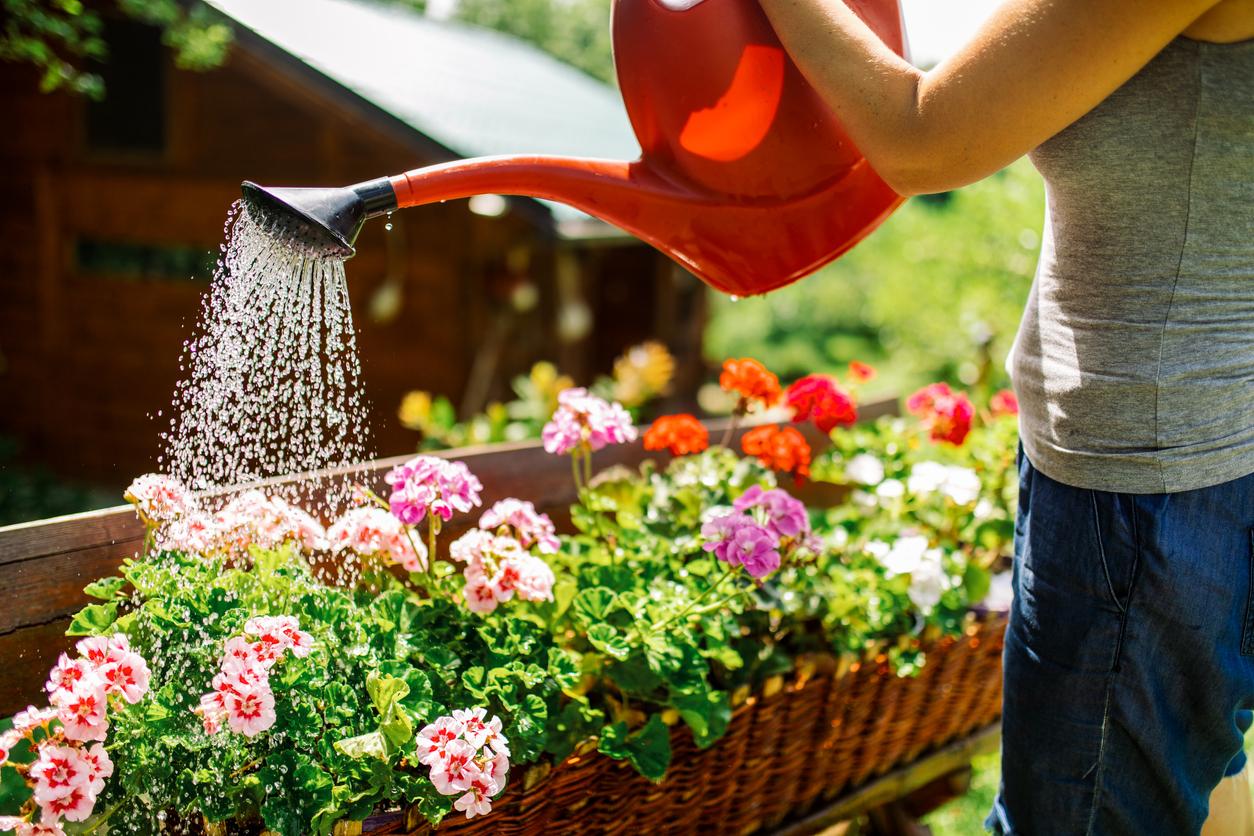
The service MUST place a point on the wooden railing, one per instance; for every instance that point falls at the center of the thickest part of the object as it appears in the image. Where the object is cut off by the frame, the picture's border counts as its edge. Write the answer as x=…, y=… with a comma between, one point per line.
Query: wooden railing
x=44, y=565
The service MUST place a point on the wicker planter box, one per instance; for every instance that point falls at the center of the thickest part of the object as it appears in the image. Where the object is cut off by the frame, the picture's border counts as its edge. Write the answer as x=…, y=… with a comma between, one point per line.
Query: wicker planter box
x=787, y=752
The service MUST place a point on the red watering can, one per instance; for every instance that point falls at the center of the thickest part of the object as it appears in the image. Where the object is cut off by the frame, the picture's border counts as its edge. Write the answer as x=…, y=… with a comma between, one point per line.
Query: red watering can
x=746, y=177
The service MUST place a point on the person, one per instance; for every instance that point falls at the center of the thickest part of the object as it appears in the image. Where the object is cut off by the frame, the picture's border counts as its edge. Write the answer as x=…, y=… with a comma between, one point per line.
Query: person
x=1129, y=655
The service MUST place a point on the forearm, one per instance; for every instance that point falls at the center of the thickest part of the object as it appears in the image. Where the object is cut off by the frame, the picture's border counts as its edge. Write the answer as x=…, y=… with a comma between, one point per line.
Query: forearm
x=1033, y=68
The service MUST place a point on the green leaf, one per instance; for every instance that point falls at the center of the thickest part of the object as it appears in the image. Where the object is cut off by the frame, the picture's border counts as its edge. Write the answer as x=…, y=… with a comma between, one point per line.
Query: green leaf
x=707, y=713
x=975, y=581
x=93, y=620
x=648, y=749
x=372, y=745
x=593, y=605
x=564, y=668
x=386, y=693
x=105, y=588
x=608, y=640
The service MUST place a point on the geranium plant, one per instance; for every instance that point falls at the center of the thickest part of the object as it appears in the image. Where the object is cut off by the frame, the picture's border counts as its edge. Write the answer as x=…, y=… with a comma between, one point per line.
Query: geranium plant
x=251, y=665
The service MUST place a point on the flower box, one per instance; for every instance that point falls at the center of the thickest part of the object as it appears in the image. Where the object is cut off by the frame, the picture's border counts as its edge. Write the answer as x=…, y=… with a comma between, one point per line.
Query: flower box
x=789, y=751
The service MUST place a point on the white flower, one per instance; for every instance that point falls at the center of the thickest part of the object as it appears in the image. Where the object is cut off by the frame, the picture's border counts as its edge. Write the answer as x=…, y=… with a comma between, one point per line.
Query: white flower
x=890, y=489
x=983, y=510
x=863, y=499
x=961, y=485
x=926, y=477
x=1000, y=592
x=878, y=549
x=958, y=483
x=865, y=469
x=928, y=581
x=905, y=556
x=837, y=538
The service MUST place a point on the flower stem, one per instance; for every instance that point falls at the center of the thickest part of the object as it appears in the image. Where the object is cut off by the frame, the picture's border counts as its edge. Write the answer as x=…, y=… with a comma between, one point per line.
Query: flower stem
x=433, y=529
x=741, y=409
x=574, y=471
x=709, y=590
x=587, y=467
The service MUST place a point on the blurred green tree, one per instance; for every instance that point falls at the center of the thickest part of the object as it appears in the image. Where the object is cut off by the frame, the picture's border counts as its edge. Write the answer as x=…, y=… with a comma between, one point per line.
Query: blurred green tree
x=574, y=31
x=63, y=38
x=936, y=293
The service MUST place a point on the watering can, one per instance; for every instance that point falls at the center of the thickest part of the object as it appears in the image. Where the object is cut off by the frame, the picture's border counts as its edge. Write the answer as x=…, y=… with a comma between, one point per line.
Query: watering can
x=746, y=177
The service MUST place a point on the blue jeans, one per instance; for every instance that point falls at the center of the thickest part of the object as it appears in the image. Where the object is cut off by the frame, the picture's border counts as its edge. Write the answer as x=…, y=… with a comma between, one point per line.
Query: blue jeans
x=1129, y=660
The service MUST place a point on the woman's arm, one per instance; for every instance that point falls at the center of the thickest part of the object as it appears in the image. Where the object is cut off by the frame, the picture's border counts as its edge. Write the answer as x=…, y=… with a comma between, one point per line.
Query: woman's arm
x=1033, y=68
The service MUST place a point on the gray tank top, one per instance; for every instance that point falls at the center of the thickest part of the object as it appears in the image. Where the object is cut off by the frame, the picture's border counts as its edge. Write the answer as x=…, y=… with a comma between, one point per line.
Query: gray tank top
x=1134, y=363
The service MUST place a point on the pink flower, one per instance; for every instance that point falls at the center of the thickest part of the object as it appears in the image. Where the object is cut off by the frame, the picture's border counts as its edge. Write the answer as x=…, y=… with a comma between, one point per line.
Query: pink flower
x=431, y=485
x=157, y=498
x=278, y=633
x=482, y=596
x=65, y=673
x=99, y=767
x=435, y=737
x=101, y=650
x=194, y=533
x=249, y=708
x=58, y=771
x=253, y=519
x=530, y=527
x=44, y=828
x=373, y=532
x=476, y=801
x=128, y=675
x=212, y=711
x=584, y=419
x=81, y=710
x=76, y=806
x=534, y=579
x=457, y=771
x=240, y=653
x=499, y=746
x=24, y=722
x=737, y=540
x=8, y=741
x=474, y=730
x=785, y=515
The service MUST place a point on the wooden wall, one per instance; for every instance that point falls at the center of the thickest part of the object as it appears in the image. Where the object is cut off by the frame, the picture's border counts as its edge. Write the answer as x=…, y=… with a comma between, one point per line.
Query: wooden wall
x=85, y=360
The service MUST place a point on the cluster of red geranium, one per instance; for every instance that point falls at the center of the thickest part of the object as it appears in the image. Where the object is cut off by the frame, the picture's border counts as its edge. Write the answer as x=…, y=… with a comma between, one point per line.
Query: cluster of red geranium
x=817, y=398
x=945, y=415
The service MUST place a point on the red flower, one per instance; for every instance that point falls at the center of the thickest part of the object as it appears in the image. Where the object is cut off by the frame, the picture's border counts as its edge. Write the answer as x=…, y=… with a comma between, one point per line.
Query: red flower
x=820, y=399
x=861, y=372
x=751, y=380
x=1004, y=403
x=784, y=449
x=681, y=434
x=945, y=414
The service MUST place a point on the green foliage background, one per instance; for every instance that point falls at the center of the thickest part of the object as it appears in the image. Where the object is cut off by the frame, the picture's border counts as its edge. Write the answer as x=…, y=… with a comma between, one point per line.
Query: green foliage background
x=934, y=294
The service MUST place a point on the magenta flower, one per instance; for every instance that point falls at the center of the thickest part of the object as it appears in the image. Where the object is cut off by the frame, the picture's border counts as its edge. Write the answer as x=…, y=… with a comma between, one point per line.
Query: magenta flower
x=785, y=515
x=430, y=485
x=738, y=540
x=584, y=419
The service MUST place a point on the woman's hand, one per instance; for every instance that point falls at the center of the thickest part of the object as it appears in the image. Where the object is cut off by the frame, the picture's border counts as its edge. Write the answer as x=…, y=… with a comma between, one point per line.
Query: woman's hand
x=1032, y=69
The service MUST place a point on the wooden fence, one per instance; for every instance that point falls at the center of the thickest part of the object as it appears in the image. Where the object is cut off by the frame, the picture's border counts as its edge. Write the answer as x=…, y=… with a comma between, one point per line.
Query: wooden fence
x=44, y=565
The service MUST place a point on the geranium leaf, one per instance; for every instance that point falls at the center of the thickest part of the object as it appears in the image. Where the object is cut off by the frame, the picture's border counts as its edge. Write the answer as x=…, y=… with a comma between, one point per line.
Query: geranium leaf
x=608, y=640
x=105, y=588
x=93, y=619
x=372, y=745
x=593, y=605
x=648, y=749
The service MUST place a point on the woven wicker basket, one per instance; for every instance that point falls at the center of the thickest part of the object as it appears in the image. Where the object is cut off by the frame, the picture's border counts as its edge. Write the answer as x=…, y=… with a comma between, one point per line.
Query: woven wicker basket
x=785, y=753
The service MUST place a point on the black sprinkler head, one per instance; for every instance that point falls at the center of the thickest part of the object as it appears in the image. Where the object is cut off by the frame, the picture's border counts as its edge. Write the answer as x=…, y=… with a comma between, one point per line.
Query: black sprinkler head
x=324, y=221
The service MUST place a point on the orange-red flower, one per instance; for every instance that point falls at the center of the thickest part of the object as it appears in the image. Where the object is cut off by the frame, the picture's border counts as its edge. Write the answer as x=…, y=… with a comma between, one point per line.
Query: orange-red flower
x=822, y=400
x=681, y=434
x=945, y=414
x=1004, y=403
x=784, y=449
x=860, y=372
x=751, y=380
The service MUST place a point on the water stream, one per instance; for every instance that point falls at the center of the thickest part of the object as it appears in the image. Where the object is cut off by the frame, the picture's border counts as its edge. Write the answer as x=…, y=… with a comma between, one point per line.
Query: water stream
x=273, y=380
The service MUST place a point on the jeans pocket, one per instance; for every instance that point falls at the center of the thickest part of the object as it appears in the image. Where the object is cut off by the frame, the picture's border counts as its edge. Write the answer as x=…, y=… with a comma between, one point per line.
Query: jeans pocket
x=1114, y=534
x=1247, y=639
